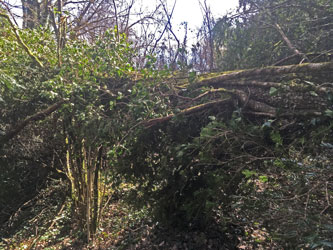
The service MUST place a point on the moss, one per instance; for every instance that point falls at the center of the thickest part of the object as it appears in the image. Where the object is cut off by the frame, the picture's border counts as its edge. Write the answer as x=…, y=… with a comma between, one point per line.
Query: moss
x=211, y=76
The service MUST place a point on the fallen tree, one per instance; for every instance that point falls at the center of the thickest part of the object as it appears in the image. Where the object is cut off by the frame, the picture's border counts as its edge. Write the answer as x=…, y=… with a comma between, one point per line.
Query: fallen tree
x=285, y=91
x=234, y=143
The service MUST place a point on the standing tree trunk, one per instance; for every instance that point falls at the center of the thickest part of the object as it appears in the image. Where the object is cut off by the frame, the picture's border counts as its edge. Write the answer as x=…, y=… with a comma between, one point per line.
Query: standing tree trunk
x=83, y=171
x=35, y=13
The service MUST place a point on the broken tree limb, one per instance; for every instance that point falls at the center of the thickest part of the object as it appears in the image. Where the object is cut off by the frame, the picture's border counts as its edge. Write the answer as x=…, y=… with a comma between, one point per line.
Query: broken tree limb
x=242, y=97
x=267, y=71
x=156, y=121
x=255, y=96
x=289, y=43
x=256, y=106
x=242, y=83
x=12, y=132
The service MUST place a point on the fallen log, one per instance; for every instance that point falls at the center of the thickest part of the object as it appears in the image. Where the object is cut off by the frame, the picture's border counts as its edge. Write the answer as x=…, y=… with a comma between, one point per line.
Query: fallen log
x=293, y=96
x=266, y=71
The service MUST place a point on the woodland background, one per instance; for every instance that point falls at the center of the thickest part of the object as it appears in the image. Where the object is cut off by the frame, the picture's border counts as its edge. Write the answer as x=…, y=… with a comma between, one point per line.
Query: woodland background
x=115, y=134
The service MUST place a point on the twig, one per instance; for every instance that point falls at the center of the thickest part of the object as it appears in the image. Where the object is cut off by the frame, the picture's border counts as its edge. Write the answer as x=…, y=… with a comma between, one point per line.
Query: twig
x=327, y=199
x=10, y=13
x=306, y=205
x=35, y=241
x=289, y=44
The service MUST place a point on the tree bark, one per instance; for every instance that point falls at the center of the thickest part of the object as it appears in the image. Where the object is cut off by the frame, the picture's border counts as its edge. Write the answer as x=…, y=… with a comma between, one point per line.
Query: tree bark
x=269, y=97
x=156, y=121
x=267, y=71
x=12, y=132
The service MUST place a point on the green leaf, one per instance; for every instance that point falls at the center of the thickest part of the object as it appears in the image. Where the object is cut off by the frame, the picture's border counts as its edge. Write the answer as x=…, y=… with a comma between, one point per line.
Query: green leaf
x=329, y=226
x=7, y=81
x=112, y=104
x=180, y=154
x=327, y=145
x=192, y=76
x=276, y=137
x=313, y=121
x=248, y=173
x=310, y=83
x=267, y=124
x=326, y=243
x=329, y=113
x=313, y=93
x=330, y=96
x=279, y=163
x=263, y=178
x=273, y=91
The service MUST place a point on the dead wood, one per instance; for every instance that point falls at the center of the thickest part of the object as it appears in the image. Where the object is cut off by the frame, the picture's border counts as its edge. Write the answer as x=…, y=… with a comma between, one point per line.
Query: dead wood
x=311, y=68
x=252, y=90
x=188, y=111
x=12, y=132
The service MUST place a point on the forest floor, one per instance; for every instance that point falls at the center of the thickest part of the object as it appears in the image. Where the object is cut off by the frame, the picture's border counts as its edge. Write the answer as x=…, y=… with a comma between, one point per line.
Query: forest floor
x=41, y=225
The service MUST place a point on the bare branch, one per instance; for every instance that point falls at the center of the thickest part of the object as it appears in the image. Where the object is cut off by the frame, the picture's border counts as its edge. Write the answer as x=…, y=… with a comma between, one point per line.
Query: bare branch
x=36, y=117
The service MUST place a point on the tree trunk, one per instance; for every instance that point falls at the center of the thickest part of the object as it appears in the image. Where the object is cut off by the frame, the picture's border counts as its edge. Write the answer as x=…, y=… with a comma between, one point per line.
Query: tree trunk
x=284, y=91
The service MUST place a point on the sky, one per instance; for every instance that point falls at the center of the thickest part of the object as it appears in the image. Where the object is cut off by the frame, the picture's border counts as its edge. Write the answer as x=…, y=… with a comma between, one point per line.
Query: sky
x=190, y=11
x=187, y=11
